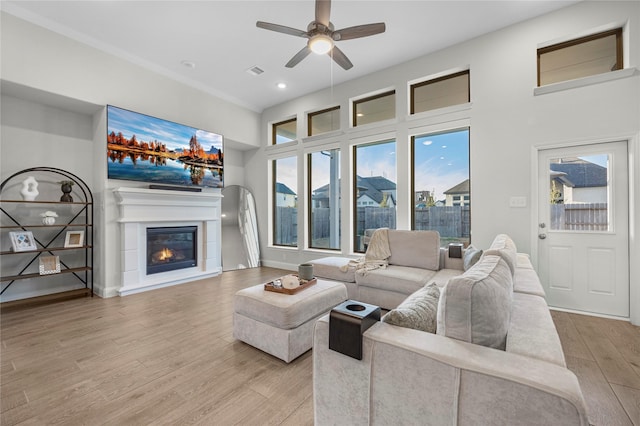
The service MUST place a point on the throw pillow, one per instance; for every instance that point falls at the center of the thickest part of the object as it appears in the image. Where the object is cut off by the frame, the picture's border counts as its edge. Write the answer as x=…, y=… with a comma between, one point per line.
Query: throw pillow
x=418, y=311
x=476, y=306
x=471, y=256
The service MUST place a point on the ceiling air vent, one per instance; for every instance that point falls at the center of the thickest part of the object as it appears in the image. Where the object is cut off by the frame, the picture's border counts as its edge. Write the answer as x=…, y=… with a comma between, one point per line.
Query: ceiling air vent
x=255, y=70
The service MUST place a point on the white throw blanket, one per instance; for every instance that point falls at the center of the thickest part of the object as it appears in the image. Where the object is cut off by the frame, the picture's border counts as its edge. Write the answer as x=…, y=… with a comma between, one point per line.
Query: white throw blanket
x=377, y=255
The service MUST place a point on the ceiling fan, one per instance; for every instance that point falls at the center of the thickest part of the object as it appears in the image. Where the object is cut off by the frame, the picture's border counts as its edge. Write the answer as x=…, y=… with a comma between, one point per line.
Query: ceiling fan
x=322, y=36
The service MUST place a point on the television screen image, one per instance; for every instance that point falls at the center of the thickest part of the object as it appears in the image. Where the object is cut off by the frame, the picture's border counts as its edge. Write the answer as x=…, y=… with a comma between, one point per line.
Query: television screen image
x=149, y=149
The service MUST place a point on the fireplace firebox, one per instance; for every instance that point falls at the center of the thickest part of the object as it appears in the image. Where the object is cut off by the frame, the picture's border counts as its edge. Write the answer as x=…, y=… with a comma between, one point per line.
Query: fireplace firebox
x=171, y=247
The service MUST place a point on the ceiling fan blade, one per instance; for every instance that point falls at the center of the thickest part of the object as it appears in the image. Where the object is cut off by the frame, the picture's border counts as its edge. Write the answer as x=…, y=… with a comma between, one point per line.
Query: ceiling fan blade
x=303, y=53
x=323, y=11
x=281, y=29
x=359, y=31
x=340, y=58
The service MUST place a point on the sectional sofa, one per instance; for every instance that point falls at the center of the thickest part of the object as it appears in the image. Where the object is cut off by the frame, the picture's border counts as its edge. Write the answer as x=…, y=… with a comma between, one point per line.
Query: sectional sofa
x=494, y=357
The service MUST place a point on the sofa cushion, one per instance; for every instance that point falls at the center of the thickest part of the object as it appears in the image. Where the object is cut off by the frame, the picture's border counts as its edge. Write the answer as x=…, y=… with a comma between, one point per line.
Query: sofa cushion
x=504, y=246
x=420, y=249
x=523, y=261
x=418, y=311
x=526, y=281
x=334, y=268
x=401, y=279
x=442, y=277
x=471, y=257
x=532, y=332
x=476, y=306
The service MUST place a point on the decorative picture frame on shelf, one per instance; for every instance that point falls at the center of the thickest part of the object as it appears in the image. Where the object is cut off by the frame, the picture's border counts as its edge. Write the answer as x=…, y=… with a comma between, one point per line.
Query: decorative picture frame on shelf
x=74, y=239
x=49, y=265
x=22, y=241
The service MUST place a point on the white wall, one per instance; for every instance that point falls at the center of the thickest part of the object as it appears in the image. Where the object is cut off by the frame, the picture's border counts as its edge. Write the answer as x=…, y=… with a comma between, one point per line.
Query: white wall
x=58, y=91
x=508, y=122
x=32, y=135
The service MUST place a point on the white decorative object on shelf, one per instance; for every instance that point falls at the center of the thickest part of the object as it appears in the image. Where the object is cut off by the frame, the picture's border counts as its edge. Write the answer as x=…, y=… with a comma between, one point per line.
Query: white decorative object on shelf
x=49, y=217
x=29, y=189
x=290, y=282
x=74, y=239
x=49, y=265
x=22, y=241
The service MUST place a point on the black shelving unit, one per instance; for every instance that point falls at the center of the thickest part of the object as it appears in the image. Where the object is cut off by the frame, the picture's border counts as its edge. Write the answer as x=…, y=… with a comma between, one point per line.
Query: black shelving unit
x=48, y=238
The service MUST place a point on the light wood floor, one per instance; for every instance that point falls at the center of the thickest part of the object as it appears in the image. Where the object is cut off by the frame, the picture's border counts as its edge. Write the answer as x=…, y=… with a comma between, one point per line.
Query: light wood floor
x=168, y=357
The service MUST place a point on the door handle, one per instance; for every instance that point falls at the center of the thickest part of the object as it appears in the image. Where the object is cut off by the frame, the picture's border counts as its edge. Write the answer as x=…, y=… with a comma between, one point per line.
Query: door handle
x=542, y=236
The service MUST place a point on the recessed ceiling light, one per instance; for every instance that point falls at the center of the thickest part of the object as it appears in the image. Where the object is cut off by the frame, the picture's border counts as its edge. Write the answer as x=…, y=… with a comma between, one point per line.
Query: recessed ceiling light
x=188, y=64
x=281, y=85
x=359, y=114
x=427, y=143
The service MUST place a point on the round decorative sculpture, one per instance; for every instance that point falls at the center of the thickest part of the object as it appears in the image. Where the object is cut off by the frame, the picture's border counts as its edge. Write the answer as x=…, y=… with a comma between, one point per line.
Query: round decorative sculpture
x=29, y=189
x=290, y=282
x=49, y=217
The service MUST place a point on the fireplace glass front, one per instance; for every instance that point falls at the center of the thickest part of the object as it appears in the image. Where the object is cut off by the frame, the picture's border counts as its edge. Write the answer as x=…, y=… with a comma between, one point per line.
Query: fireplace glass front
x=170, y=248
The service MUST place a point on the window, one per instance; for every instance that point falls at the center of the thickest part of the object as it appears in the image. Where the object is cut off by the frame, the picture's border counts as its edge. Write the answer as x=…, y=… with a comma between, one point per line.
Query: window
x=583, y=57
x=374, y=189
x=374, y=108
x=285, y=202
x=323, y=121
x=285, y=131
x=579, y=192
x=324, y=203
x=440, y=92
x=441, y=185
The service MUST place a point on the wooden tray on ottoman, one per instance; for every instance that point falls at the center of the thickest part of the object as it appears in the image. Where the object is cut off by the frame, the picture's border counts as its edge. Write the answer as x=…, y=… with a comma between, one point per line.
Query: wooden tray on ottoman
x=303, y=284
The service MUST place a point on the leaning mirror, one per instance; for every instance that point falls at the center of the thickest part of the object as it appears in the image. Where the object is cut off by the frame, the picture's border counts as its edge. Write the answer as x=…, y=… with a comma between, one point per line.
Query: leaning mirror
x=240, y=248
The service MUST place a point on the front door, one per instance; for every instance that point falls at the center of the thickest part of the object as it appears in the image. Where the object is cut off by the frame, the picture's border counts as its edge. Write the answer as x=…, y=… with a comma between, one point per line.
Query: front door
x=583, y=227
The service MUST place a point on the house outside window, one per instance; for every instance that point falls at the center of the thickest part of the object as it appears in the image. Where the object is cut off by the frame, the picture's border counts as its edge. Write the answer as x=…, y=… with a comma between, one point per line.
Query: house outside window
x=586, y=56
x=440, y=92
x=374, y=108
x=323, y=121
x=579, y=192
x=324, y=203
x=374, y=189
x=285, y=202
x=441, y=185
x=284, y=131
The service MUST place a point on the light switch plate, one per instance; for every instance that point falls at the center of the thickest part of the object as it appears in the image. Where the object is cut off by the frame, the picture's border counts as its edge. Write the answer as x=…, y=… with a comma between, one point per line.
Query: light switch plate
x=518, y=202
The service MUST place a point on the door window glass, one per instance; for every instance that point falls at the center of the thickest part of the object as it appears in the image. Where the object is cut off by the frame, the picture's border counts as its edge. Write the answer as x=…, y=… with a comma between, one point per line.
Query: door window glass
x=579, y=193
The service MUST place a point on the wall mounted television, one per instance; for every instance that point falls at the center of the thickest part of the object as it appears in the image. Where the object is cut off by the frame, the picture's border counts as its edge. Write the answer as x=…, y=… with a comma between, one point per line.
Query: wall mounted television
x=160, y=152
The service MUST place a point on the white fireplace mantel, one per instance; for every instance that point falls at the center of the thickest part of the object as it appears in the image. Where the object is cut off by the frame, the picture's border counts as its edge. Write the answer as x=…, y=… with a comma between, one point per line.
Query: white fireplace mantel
x=152, y=205
x=141, y=208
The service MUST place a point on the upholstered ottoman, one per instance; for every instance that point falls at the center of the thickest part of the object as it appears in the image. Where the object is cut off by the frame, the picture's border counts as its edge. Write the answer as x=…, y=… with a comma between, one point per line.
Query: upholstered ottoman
x=282, y=324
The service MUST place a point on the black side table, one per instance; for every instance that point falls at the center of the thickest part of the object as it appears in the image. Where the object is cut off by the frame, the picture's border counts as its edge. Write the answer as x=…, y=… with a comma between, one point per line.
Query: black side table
x=347, y=322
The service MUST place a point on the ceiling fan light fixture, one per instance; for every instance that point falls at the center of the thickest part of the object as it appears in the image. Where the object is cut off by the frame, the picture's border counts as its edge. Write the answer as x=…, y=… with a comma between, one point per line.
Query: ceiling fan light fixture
x=320, y=44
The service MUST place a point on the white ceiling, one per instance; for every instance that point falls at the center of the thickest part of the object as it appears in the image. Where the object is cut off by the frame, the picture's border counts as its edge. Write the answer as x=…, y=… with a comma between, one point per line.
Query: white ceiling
x=222, y=39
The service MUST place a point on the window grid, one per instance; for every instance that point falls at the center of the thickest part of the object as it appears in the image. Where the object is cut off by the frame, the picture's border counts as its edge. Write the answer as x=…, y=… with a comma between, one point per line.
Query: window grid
x=359, y=104
x=619, y=62
x=435, y=81
x=281, y=129
x=318, y=115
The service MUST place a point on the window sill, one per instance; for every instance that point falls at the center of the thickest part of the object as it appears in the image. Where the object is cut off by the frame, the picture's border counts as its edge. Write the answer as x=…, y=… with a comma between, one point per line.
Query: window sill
x=282, y=146
x=440, y=111
x=585, y=81
x=322, y=136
